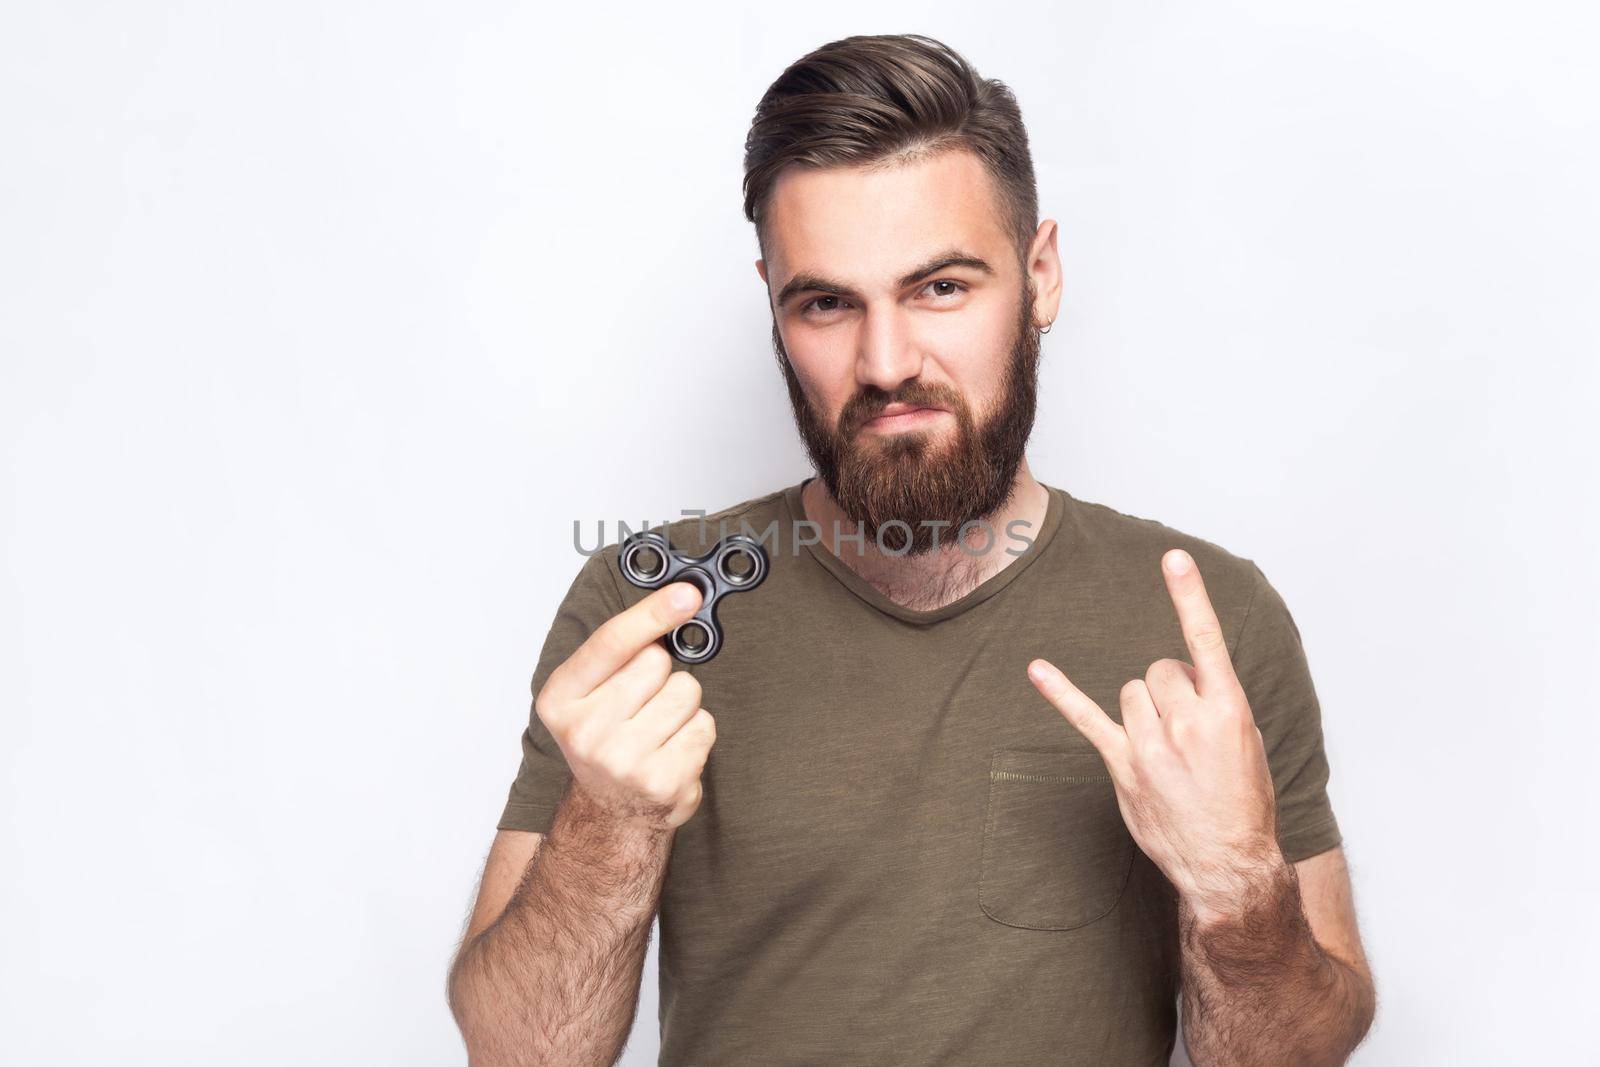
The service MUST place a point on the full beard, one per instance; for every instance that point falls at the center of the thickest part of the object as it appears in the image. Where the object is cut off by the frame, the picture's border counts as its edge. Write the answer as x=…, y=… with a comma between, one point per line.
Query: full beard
x=911, y=492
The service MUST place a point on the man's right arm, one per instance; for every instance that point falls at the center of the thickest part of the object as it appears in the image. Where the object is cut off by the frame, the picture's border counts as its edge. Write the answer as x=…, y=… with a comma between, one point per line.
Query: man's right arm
x=548, y=971
x=550, y=966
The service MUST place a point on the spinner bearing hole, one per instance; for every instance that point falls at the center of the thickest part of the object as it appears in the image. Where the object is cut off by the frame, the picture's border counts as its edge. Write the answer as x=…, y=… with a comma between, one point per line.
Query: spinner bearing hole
x=738, y=566
x=693, y=638
x=647, y=563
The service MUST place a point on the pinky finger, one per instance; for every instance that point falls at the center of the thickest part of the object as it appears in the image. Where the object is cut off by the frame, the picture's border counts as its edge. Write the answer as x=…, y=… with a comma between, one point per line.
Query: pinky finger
x=1084, y=714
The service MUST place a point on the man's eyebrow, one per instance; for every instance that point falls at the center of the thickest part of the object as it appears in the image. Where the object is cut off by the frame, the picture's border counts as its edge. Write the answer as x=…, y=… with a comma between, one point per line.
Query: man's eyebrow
x=954, y=257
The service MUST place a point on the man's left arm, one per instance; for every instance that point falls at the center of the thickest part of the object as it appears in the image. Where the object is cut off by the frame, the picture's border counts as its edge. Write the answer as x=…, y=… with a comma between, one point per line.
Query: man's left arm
x=1279, y=975
x=1273, y=970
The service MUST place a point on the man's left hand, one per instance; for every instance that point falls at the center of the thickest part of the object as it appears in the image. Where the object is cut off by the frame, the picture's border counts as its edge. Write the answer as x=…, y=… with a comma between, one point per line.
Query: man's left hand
x=1187, y=761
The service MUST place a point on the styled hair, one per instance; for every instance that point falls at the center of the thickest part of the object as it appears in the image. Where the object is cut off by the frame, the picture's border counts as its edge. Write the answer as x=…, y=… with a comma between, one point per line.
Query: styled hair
x=885, y=100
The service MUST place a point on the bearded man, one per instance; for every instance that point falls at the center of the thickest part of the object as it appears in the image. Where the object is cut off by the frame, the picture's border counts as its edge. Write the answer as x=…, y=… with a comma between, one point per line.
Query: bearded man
x=985, y=773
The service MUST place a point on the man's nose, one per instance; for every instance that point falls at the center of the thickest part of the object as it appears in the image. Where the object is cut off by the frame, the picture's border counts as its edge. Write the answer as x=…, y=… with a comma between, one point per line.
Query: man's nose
x=887, y=355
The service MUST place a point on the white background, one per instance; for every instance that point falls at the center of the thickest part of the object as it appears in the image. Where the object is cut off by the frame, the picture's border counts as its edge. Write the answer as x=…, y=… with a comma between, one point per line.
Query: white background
x=322, y=322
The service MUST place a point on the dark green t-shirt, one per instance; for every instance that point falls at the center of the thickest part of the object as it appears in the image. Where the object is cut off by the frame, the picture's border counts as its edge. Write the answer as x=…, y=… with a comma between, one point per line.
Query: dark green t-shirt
x=904, y=855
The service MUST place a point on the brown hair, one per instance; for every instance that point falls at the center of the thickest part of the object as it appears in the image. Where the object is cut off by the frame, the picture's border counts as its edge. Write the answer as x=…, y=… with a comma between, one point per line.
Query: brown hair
x=884, y=100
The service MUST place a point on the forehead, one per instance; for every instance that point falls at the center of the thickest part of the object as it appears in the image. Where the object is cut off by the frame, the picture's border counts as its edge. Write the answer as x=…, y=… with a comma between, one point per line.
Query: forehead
x=871, y=223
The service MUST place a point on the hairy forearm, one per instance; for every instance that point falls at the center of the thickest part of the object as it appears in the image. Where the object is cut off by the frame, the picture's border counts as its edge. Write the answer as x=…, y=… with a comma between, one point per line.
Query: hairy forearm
x=555, y=979
x=1259, y=989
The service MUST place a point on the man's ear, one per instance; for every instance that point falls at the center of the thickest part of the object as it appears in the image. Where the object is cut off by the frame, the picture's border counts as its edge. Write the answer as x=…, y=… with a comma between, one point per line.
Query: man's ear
x=761, y=268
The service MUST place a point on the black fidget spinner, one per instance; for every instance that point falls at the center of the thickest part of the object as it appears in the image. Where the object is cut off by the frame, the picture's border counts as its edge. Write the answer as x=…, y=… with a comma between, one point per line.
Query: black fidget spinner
x=733, y=565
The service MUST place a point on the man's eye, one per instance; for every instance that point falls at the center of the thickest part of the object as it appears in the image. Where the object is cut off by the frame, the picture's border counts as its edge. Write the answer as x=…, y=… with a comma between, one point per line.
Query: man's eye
x=957, y=290
x=817, y=301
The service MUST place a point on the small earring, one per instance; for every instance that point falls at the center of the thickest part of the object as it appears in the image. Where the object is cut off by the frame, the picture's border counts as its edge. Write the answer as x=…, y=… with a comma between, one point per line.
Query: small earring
x=1047, y=327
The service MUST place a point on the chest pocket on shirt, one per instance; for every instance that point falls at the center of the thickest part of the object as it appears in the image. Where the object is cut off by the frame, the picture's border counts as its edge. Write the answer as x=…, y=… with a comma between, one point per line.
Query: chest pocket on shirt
x=1056, y=855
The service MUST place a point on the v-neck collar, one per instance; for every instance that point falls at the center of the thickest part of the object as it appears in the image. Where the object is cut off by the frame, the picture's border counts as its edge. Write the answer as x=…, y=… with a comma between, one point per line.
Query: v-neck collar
x=1054, y=512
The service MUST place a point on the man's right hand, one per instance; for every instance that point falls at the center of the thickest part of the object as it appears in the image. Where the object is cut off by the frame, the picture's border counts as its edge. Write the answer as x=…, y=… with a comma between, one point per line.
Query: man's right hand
x=632, y=729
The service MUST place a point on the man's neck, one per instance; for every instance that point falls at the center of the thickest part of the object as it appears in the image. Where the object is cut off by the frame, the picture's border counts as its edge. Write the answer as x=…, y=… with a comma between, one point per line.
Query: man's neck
x=942, y=575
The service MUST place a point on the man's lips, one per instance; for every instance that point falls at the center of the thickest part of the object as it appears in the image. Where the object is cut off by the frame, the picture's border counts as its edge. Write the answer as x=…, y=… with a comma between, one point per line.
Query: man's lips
x=900, y=416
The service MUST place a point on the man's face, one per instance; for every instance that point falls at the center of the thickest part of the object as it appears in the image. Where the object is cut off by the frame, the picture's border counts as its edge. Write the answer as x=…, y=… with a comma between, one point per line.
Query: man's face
x=912, y=377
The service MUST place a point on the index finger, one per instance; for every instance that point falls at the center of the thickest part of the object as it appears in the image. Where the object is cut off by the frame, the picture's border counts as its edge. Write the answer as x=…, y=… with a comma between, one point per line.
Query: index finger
x=1202, y=633
x=618, y=639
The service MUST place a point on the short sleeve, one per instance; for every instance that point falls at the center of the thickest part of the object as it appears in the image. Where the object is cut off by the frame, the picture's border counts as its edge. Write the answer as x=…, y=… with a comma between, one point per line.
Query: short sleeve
x=591, y=600
x=1272, y=667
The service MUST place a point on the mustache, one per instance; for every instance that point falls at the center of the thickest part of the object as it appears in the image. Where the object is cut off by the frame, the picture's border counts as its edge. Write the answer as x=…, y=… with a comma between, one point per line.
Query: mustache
x=870, y=402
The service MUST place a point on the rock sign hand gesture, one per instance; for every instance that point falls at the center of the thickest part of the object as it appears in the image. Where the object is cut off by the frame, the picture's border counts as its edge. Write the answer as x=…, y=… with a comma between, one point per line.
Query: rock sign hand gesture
x=1187, y=761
